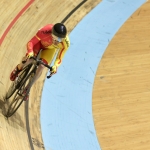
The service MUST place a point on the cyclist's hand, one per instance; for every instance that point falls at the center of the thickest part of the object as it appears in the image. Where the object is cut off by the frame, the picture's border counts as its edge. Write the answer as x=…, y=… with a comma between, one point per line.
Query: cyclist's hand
x=30, y=54
x=53, y=69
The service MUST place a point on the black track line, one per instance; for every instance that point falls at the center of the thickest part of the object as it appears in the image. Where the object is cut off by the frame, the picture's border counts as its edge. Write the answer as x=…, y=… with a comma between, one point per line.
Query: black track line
x=27, y=103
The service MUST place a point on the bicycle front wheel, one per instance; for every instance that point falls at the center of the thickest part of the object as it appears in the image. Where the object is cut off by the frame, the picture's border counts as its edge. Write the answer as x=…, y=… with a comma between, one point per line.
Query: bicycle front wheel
x=16, y=84
x=19, y=95
x=13, y=107
x=11, y=90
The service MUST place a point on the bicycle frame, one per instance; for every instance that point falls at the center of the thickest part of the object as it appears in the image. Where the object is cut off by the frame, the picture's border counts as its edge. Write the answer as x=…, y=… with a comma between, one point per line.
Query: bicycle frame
x=36, y=62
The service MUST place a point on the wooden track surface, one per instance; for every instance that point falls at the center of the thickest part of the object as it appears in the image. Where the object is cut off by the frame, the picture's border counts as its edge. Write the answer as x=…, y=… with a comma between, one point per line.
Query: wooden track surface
x=20, y=20
x=121, y=93
x=122, y=85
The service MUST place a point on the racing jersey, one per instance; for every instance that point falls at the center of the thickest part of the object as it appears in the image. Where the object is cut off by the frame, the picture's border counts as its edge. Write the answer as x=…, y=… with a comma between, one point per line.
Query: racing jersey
x=43, y=40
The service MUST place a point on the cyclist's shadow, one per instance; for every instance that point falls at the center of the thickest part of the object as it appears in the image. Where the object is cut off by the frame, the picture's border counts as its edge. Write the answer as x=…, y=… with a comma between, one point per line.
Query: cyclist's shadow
x=15, y=120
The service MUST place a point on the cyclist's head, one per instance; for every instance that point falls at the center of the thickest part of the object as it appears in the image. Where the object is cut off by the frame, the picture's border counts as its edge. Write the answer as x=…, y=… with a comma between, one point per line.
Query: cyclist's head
x=59, y=30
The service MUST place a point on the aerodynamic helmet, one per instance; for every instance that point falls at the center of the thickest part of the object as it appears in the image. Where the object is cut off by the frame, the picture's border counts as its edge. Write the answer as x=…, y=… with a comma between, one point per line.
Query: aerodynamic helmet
x=59, y=30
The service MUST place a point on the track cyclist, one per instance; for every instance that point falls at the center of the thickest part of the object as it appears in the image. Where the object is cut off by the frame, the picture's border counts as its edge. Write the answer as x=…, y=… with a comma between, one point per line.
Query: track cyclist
x=52, y=40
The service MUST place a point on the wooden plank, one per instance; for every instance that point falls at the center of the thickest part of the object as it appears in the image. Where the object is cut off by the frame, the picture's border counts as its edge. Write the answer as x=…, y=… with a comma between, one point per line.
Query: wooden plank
x=122, y=87
x=14, y=132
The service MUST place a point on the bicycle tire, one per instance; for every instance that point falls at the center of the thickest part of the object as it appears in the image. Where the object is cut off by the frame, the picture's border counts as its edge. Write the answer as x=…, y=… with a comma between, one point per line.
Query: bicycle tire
x=16, y=84
x=15, y=104
x=9, y=114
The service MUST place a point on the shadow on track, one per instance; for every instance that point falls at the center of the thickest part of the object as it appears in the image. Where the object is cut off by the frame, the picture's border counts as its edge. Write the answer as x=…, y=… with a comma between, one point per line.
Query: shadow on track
x=16, y=121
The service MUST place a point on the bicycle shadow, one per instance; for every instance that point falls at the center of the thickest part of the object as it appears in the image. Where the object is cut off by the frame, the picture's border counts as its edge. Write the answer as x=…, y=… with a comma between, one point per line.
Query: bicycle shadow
x=1, y=103
x=15, y=120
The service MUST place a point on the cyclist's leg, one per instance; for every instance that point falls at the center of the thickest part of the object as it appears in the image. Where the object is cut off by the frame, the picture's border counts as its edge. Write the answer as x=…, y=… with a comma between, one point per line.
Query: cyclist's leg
x=19, y=67
x=24, y=62
x=47, y=56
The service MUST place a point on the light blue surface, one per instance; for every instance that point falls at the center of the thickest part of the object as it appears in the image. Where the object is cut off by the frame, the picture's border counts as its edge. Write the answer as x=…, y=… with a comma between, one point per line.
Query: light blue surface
x=66, y=108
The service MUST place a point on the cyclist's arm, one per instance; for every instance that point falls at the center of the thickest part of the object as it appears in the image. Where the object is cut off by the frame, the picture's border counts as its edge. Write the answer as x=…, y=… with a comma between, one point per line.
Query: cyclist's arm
x=63, y=48
x=32, y=42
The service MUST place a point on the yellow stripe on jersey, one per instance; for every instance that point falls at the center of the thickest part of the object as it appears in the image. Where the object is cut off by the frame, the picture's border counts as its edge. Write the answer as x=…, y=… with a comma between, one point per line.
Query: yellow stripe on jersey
x=64, y=45
x=37, y=37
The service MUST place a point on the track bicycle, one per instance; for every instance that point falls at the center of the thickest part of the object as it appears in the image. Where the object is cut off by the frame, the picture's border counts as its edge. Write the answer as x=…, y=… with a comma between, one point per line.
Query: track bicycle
x=20, y=88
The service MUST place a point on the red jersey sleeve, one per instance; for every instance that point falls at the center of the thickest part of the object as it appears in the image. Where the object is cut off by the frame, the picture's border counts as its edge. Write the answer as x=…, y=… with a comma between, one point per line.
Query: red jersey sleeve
x=32, y=42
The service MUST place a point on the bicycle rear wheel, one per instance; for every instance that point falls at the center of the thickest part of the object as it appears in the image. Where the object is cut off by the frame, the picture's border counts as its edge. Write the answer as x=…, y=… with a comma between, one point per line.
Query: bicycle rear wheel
x=16, y=84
